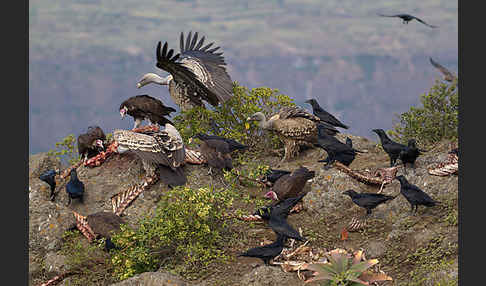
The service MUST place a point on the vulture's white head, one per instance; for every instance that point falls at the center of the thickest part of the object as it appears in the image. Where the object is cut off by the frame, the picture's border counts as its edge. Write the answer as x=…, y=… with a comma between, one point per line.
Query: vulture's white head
x=153, y=78
x=123, y=111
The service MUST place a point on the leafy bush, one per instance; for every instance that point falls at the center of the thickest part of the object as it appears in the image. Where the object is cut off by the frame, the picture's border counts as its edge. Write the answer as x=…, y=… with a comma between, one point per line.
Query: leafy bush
x=229, y=119
x=187, y=229
x=435, y=120
x=66, y=150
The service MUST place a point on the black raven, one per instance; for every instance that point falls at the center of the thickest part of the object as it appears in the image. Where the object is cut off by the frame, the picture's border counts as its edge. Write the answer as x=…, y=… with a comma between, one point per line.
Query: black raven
x=50, y=178
x=391, y=147
x=74, y=188
x=267, y=252
x=407, y=18
x=409, y=154
x=368, y=201
x=336, y=150
x=414, y=195
x=277, y=214
x=349, y=142
x=324, y=115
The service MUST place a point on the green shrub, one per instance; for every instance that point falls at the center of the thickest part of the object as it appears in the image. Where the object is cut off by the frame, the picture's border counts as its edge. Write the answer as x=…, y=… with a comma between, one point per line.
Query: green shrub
x=230, y=118
x=66, y=150
x=435, y=120
x=187, y=229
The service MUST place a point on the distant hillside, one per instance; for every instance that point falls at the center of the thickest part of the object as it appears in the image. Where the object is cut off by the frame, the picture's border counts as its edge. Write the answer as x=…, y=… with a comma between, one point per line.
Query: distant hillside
x=86, y=56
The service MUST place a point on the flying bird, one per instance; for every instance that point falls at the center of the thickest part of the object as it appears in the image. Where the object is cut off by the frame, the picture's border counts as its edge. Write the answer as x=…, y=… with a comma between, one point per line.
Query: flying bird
x=407, y=18
x=448, y=76
x=409, y=154
x=324, y=115
x=50, y=178
x=197, y=73
x=293, y=125
x=367, y=201
x=391, y=147
x=290, y=185
x=75, y=188
x=267, y=252
x=91, y=142
x=414, y=195
x=162, y=148
x=144, y=107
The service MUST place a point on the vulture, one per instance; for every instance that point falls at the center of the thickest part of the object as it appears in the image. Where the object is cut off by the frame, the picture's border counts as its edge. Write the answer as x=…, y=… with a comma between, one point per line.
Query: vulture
x=267, y=252
x=391, y=147
x=290, y=185
x=414, y=195
x=407, y=18
x=324, y=115
x=74, y=188
x=104, y=224
x=142, y=107
x=217, y=150
x=50, y=178
x=272, y=175
x=367, y=201
x=163, y=150
x=335, y=149
x=448, y=76
x=91, y=142
x=197, y=73
x=294, y=126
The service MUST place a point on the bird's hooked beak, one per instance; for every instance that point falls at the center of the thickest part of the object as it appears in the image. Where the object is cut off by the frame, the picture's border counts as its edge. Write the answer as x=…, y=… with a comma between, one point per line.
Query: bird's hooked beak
x=251, y=118
x=139, y=84
x=99, y=143
x=271, y=195
x=123, y=112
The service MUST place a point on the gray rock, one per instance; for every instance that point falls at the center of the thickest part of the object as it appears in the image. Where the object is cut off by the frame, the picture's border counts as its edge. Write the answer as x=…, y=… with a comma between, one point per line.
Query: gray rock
x=55, y=263
x=153, y=279
x=269, y=276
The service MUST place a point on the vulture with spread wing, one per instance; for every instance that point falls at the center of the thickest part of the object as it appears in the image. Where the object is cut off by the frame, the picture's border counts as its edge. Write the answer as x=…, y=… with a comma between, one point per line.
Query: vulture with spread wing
x=448, y=76
x=142, y=107
x=163, y=149
x=197, y=73
x=294, y=125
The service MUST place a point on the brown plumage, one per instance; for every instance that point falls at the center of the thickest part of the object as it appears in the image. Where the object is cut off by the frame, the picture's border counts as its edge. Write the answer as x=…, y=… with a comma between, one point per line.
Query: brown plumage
x=448, y=76
x=290, y=185
x=104, y=223
x=294, y=126
x=144, y=107
x=91, y=142
x=216, y=151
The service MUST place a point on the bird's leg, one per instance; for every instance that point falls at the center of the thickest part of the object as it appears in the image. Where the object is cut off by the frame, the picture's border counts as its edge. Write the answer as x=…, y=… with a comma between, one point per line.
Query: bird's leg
x=53, y=195
x=405, y=168
x=137, y=123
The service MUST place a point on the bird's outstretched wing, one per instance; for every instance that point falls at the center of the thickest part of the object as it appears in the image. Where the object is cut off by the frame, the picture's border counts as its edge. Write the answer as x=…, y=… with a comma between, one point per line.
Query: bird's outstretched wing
x=442, y=69
x=382, y=15
x=198, y=66
x=423, y=22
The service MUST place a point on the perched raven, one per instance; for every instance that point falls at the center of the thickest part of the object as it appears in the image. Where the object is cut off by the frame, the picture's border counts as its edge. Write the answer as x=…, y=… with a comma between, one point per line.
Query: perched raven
x=391, y=147
x=277, y=214
x=50, y=178
x=368, y=201
x=414, y=195
x=75, y=188
x=407, y=18
x=349, y=142
x=336, y=150
x=324, y=115
x=267, y=252
x=409, y=154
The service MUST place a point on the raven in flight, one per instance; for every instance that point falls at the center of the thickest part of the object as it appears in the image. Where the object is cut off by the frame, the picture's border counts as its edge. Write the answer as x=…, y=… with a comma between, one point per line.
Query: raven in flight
x=407, y=18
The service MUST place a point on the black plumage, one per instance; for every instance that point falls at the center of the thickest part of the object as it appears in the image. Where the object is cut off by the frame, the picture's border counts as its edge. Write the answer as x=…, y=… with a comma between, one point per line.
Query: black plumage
x=272, y=175
x=91, y=142
x=324, y=115
x=144, y=107
x=198, y=72
x=276, y=216
x=368, y=201
x=391, y=147
x=267, y=252
x=75, y=188
x=335, y=149
x=407, y=18
x=233, y=145
x=414, y=195
x=454, y=151
x=349, y=142
x=50, y=178
x=290, y=185
x=409, y=154
x=104, y=224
